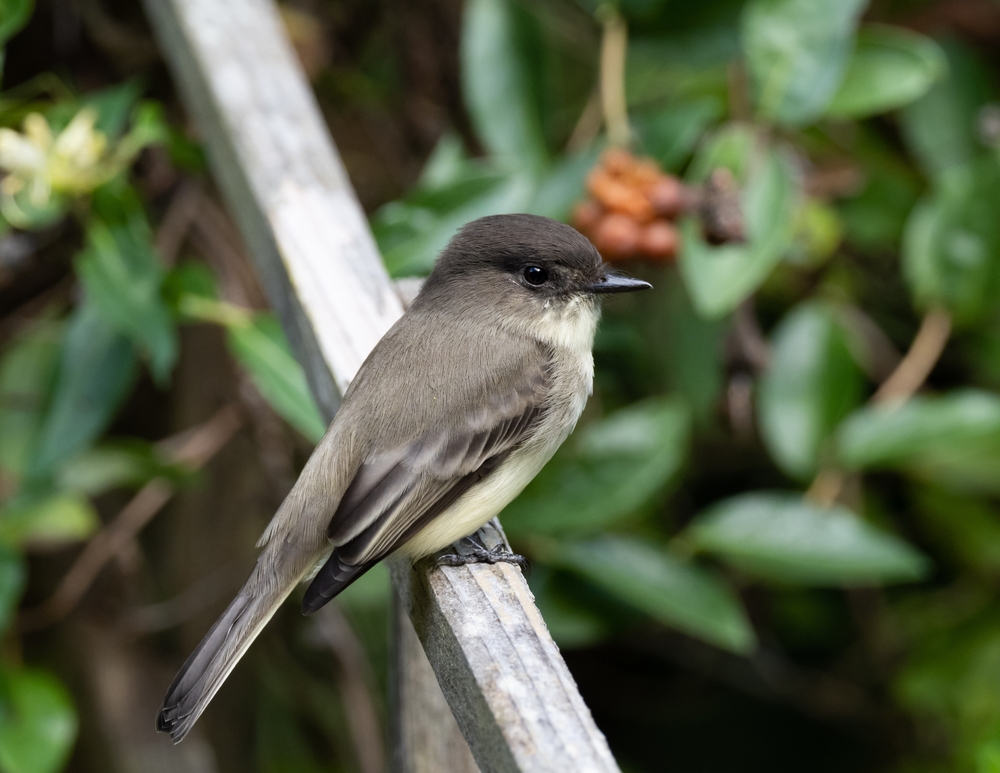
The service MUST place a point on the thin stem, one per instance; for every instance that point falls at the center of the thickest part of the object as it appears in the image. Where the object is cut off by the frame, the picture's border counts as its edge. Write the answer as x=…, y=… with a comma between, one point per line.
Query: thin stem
x=193, y=449
x=916, y=366
x=904, y=381
x=614, y=44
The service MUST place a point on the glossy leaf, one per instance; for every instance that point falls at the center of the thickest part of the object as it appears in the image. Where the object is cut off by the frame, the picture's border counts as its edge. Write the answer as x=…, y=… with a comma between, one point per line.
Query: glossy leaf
x=52, y=519
x=965, y=527
x=720, y=278
x=38, y=723
x=421, y=233
x=14, y=14
x=797, y=53
x=612, y=469
x=954, y=438
x=27, y=374
x=13, y=574
x=941, y=128
x=498, y=84
x=97, y=366
x=670, y=134
x=951, y=246
x=664, y=586
x=262, y=349
x=567, y=608
x=111, y=465
x=783, y=537
x=123, y=277
x=891, y=67
x=810, y=384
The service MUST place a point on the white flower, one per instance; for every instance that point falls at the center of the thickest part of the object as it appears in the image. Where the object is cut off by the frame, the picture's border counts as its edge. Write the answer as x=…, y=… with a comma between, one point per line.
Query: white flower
x=74, y=162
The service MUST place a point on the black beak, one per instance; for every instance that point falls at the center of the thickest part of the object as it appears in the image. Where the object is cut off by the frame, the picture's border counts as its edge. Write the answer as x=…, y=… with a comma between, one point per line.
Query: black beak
x=613, y=283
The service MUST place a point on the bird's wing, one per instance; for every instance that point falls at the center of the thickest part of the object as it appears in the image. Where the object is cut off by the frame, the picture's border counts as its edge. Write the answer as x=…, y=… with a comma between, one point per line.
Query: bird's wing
x=396, y=493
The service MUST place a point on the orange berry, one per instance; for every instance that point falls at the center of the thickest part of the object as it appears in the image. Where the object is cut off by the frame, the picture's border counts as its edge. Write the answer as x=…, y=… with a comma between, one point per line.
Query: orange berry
x=586, y=215
x=659, y=240
x=617, y=236
x=667, y=197
x=617, y=161
x=618, y=196
x=643, y=174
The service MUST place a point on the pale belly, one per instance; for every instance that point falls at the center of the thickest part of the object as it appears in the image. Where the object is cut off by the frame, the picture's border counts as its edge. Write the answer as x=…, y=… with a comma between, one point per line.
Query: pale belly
x=483, y=501
x=573, y=382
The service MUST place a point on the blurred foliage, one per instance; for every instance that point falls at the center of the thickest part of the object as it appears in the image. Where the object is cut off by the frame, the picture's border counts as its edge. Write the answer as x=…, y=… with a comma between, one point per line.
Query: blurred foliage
x=732, y=479
x=786, y=94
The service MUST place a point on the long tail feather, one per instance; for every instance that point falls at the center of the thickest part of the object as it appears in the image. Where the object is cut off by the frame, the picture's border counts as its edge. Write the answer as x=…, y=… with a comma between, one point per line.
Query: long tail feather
x=214, y=658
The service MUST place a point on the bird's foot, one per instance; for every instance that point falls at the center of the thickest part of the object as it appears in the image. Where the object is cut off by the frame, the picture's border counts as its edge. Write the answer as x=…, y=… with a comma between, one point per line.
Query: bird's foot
x=473, y=552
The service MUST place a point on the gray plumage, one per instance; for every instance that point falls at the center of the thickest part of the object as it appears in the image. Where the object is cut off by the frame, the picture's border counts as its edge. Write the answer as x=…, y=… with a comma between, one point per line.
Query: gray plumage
x=453, y=412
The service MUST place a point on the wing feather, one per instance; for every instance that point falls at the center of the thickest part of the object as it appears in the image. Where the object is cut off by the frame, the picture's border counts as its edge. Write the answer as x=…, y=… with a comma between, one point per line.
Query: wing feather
x=394, y=495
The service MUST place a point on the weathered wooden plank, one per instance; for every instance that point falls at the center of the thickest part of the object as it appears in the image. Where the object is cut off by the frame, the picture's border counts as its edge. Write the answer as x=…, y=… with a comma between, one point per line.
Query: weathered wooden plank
x=500, y=671
x=509, y=688
x=424, y=736
x=273, y=158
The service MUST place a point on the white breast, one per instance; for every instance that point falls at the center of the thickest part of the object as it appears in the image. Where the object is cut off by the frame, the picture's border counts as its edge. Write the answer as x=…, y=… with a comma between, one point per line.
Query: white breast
x=570, y=332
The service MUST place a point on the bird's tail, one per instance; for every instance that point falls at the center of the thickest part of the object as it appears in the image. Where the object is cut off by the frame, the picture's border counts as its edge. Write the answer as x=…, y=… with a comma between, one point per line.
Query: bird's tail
x=218, y=653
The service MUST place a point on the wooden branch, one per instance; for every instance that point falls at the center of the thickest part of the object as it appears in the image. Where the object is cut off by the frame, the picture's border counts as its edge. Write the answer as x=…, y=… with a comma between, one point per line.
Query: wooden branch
x=273, y=158
x=500, y=671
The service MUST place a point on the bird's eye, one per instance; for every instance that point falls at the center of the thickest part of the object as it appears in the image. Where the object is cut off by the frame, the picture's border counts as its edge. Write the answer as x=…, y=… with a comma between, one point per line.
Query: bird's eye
x=535, y=275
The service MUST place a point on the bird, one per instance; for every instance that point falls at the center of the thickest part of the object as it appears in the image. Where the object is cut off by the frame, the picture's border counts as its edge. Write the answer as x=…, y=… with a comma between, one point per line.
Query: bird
x=455, y=410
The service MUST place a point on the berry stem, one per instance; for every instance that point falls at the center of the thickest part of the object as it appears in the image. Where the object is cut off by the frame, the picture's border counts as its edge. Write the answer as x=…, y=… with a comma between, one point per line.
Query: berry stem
x=614, y=44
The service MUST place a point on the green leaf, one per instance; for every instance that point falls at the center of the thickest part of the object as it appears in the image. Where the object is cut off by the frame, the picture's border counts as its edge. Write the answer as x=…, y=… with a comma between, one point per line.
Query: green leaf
x=954, y=438
x=782, y=536
x=562, y=186
x=411, y=235
x=664, y=586
x=611, y=469
x=13, y=575
x=58, y=518
x=966, y=527
x=14, y=14
x=797, y=52
x=568, y=612
x=670, y=134
x=38, y=723
x=951, y=246
x=123, y=278
x=689, y=64
x=810, y=384
x=891, y=67
x=720, y=278
x=262, y=349
x=113, y=105
x=96, y=369
x=941, y=128
x=111, y=465
x=498, y=83
x=875, y=218
x=27, y=375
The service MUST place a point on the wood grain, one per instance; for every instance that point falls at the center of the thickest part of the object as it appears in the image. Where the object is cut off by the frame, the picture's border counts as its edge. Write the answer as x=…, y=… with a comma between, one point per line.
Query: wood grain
x=500, y=672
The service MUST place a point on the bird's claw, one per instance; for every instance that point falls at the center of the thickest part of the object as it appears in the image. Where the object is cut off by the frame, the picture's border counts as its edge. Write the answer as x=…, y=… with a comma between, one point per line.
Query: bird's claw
x=477, y=554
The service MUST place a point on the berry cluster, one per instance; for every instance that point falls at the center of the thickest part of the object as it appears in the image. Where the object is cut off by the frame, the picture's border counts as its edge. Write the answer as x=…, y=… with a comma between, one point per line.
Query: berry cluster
x=632, y=208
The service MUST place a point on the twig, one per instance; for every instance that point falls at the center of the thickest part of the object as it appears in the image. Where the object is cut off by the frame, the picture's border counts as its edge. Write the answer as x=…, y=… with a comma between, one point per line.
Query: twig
x=192, y=449
x=614, y=45
x=909, y=375
x=213, y=236
x=177, y=221
x=916, y=366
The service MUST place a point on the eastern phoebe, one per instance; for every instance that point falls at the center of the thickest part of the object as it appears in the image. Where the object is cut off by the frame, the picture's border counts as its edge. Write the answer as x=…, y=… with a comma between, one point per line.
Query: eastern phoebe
x=454, y=411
